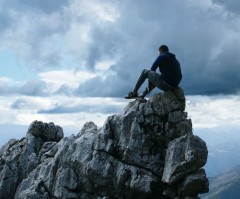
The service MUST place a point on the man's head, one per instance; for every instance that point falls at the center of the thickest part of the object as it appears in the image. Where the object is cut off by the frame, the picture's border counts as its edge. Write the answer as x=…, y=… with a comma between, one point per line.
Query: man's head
x=163, y=48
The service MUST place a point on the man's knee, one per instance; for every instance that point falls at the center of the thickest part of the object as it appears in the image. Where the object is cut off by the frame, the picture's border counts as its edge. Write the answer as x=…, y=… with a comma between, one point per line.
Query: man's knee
x=145, y=72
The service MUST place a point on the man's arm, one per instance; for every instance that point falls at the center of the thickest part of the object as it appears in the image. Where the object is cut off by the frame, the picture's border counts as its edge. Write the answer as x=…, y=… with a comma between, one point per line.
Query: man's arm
x=156, y=63
x=154, y=67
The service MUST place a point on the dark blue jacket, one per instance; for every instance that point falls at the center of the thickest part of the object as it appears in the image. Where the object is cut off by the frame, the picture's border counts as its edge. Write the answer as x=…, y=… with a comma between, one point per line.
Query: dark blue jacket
x=169, y=68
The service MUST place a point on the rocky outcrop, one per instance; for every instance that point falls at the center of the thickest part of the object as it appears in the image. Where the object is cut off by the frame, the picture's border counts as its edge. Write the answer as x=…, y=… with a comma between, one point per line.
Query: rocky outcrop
x=18, y=158
x=147, y=151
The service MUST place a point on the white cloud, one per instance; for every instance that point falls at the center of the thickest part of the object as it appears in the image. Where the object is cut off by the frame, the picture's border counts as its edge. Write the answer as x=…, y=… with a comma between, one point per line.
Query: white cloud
x=5, y=80
x=205, y=112
x=8, y=82
x=104, y=65
x=95, y=11
x=24, y=109
x=104, y=11
x=71, y=78
x=212, y=111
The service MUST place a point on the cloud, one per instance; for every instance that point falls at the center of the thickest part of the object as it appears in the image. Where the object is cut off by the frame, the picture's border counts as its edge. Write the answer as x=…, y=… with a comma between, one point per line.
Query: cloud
x=18, y=104
x=198, y=32
x=60, y=109
x=204, y=111
x=33, y=30
x=69, y=78
x=231, y=6
x=103, y=109
x=29, y=88
x=28, y=104
x=213, y=111
x=78, y=35
x=33, y=88
x=48, y=6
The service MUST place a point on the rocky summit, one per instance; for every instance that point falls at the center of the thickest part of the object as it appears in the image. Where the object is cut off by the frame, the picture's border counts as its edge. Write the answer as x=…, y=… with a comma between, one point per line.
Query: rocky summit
x=148, y=152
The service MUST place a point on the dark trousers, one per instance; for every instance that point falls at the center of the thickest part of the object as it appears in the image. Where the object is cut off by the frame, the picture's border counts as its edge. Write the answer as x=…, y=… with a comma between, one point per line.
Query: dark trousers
x=155, y=80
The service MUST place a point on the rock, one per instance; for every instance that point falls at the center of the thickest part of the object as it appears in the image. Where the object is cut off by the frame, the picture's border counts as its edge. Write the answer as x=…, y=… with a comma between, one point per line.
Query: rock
x=171, y=192
x=194, y=184
x=20, y=157
x=176, y=117
x=47, y=132
x=190, y=187
x=147, y=151
x=184, y=155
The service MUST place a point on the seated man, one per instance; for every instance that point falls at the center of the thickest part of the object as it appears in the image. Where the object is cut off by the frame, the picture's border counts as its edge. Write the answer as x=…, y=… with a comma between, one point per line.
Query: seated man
x=168, y=79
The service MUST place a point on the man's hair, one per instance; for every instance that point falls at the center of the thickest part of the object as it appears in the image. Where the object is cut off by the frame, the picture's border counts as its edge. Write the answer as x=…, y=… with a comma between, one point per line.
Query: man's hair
x=163, y=48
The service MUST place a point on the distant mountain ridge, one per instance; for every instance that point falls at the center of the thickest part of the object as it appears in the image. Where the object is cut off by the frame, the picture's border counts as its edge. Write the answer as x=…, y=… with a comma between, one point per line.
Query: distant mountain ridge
x=223, y=157
x=223, y=144
x=225, y=186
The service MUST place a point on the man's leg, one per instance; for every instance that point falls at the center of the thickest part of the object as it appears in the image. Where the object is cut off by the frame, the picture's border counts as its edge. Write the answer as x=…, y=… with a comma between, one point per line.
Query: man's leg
x=153, y=77
x=141, y=80
x=134, y=94
x=147, y=90
x=155, y=80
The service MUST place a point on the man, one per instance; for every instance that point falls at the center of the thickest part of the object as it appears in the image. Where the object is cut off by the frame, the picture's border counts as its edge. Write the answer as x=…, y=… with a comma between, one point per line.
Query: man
x=168, y=80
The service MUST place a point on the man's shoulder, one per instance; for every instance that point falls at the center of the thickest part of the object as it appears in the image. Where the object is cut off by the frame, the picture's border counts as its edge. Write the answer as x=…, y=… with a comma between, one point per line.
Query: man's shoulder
x=169, y=55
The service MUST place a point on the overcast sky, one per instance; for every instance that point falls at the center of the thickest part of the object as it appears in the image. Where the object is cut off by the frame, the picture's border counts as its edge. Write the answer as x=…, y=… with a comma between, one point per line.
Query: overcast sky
x=61, y=59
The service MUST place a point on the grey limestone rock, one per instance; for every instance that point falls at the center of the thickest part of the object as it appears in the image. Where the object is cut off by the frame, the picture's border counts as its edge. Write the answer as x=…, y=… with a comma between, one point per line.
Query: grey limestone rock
x=147, y=151
x=19, y=157
x=194, y=184
x=46, y=131
x=184, y=155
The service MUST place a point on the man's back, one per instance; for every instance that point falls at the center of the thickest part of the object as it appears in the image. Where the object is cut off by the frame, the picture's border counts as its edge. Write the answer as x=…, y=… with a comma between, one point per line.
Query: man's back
x=169, y=68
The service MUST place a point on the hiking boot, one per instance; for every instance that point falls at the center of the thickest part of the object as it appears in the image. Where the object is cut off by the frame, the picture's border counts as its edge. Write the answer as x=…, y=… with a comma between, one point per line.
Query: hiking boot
x=141, y=99
x=131, y=95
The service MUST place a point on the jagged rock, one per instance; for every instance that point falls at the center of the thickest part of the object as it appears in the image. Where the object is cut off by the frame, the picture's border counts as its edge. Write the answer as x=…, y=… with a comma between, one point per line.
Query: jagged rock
x=46, y=131
x=129, y=157
x=171, y=192
x=184, y=155
x=20, y=157
x=194, y=184
x=190, y=187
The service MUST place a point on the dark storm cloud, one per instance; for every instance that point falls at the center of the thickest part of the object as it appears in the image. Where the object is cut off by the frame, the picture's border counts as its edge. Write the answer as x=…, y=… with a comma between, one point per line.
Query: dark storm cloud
x=97, y=87
x=204, y=40
x=203, y=35
x=32, y=30
x=10, y=10
x=231, y=6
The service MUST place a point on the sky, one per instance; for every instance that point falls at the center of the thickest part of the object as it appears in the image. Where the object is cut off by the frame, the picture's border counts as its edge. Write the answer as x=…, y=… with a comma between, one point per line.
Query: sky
x=72, y=61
